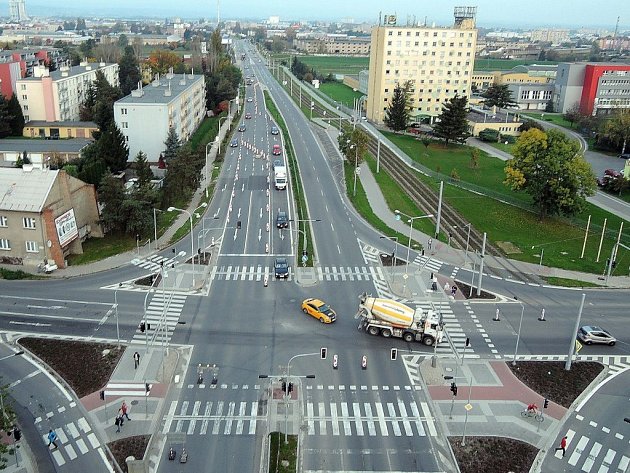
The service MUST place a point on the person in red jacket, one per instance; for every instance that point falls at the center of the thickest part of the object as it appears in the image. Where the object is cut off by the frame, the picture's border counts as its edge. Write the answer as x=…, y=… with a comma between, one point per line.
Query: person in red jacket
x=563, y=445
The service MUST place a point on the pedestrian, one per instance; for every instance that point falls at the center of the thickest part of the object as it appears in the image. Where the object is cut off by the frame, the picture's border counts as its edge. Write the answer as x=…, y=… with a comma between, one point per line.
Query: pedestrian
x=453, y=290
x=430, y=243
x=117, y=422
x=123, y=409
x=136, y=360
x=563, y=445
x=447, y=287
x=52, y=438
x=120, y=415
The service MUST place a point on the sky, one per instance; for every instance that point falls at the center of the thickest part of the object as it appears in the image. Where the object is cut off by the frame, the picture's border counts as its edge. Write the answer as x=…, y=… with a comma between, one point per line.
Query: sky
x=505, y=13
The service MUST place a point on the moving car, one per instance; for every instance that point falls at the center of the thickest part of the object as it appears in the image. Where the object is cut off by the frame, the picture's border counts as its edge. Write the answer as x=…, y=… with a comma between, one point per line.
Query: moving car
x=234, y=143
x=277, y=151
x=242, y=127
x=590, y=334
x=249, y=99
x=320, y=310
x=274, y=130
x=281, y=268
x=248, y=116
x=282, y=221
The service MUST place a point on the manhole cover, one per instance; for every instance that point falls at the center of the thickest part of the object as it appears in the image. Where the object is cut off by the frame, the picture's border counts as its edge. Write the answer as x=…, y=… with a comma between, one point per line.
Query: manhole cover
x=133, y=403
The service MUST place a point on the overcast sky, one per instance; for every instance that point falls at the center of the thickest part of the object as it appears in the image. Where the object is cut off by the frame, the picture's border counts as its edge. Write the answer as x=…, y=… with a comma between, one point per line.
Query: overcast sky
x=576, y=13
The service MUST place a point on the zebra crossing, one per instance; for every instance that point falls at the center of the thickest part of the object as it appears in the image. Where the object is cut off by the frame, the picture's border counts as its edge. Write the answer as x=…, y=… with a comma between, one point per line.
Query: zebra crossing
x=153, y=262
x=588, y=454
x=429, y=263
x=398, y=418
x=371, y=255
x=71, y=441
x=162, y=314
x=326, y=273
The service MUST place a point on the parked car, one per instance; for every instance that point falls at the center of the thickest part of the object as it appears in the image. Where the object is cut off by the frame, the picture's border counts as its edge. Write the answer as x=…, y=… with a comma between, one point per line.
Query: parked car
x=320, y=310
x=625, y=156
x=612, y=173
x=590, y=334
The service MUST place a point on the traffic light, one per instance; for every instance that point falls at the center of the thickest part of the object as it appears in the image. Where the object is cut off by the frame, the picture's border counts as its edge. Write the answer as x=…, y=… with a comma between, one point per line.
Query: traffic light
x=614, y=263
x=546, y=403
x=393, y=354
x=454, y=388
x=290, y=387
x=323, y=352
x=102, y=395
x=284, y=386
x=17, y=433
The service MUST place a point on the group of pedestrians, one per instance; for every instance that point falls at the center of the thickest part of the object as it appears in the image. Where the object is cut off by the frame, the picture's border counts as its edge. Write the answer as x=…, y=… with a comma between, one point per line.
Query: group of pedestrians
x=120, y=418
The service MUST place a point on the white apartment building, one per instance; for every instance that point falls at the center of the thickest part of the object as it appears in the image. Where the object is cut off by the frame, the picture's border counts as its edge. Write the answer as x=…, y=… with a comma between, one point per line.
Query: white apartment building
x=438, y=61
x=57, y=96
x=145, y=116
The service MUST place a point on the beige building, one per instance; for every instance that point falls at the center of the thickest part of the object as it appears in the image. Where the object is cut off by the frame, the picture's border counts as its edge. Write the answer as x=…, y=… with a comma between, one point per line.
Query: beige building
x=59, y=130
x=504, y=123
x=57, y=95
x=438, y=62
x=335, y=44
x=45, y=215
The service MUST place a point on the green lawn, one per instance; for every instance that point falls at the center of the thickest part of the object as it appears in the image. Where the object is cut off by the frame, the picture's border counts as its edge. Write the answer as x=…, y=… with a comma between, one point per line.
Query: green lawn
x=340, y=92
x=564, y=282
x=555, y=118
x=507, y=148
x=325, y=65
x=96, y=249
x=207, y=131
x=280, y=452
x=504, y=64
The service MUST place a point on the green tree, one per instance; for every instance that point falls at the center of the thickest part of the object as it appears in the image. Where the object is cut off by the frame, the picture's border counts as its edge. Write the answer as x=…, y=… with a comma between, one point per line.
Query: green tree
x=128, y=71
x=498, y=95
x=5, y=118
x=353, y=144
x=17, y=117
x=143, y=170
x=550, y=168
x=113, y=149
x=112, y=195
x=91, y=167
x=123, y=41
x=173, y=144
x=86, y=47
x=86, y=109
x=7, y=422
x=573, y=114
x=397, y=113
x=453, y=121
x=617, y=129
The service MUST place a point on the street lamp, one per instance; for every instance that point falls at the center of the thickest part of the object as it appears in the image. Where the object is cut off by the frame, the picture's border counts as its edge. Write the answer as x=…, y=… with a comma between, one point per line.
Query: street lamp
x=410, y=221
x=116, y=308
x=192, y=239
x=356, y=166
x=209, y=143
x=518, y=335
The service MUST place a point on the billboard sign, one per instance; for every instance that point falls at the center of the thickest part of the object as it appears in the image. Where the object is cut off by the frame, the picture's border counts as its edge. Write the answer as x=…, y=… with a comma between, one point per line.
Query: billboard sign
x=66, y=227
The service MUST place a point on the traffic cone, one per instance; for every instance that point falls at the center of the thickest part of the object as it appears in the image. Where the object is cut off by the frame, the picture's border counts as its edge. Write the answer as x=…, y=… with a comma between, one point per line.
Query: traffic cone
x=542, y=316
x=496, y=317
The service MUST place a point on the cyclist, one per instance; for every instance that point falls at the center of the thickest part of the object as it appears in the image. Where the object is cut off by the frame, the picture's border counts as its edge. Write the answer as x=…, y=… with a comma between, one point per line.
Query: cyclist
x=532, y=409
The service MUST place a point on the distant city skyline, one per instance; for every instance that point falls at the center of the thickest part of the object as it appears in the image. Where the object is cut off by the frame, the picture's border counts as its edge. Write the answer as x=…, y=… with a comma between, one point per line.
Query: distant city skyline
x=560, y=13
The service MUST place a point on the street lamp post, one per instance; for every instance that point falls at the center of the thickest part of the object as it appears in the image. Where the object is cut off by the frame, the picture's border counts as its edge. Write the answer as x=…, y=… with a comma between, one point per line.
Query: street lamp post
x=356, y=168
x=209, y=143
x=192, y=239
x=17, y=353
x=395, y=240
x=116, y=308
x=410, y=221
x=518, y=335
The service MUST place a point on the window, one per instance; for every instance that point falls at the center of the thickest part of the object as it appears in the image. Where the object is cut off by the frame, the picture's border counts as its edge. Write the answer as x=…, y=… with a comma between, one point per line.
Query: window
x=389, y=43
x=26, y=118
x=24, y=96
x=32, y=247
x=22, y=86
x=125, y=125
x=3, y=221
x=25, y=108
x=29, y=222
x=5, y=244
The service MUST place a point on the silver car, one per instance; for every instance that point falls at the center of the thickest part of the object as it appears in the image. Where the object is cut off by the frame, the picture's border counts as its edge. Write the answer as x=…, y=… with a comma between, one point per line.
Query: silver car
x=590, y=334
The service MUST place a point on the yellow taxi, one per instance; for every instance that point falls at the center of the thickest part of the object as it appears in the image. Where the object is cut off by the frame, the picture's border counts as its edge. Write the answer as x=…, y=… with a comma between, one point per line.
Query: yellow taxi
x=320, y=310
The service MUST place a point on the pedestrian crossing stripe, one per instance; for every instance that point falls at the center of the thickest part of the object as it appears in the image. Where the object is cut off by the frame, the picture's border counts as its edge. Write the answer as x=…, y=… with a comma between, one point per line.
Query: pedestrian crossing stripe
x=70, y=441
x=400, y=418
x=592, y=453
x=326, y=273
x=163, y=309
x=153, y=262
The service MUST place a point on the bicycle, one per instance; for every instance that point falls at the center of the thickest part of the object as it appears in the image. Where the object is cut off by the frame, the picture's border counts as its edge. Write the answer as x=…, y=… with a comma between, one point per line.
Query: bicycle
x=535, y=414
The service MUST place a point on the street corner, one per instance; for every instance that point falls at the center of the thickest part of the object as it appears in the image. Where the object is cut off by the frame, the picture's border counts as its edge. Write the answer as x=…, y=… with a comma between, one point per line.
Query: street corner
x=306, y=277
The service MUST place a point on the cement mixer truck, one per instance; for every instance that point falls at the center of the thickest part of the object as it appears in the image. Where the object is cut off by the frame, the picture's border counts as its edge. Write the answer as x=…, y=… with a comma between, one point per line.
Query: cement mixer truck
x=390, y=318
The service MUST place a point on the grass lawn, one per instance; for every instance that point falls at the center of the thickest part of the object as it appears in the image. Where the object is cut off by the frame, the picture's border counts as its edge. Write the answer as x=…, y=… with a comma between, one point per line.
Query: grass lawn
x=325, y=65
x=565, y=282
x=207, y=131
x=555, y=118
x=504, y=64
x=280, y=453
x=96, y=249
x=340, y=92
x=507, y=148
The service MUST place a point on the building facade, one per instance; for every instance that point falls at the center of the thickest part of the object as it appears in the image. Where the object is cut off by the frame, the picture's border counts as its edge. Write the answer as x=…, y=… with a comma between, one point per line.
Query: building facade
x=146, y=115
x=597, y=88
x=531, y=96
x=16, y=64
x=58, y=95
x=41, y=152
x=335, y=44
x=504, y=123
x=17, y=10
x=45, y=216
x=59, y=130
x=438, y=63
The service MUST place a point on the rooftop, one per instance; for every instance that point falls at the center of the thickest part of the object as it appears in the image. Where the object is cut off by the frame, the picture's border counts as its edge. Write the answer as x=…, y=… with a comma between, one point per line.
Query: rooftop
x=44, y=146
x=158, y=90
x=67, y=124
x=25, y=189
x=478, y=115
x=65, y=72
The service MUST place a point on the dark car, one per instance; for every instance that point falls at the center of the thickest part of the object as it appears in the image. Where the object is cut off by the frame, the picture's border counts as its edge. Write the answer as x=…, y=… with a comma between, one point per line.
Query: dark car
x=281, y=268
x=274, y=130
x=242, y=127
x=248, y=116
x=625, y=156
x=282, y=221
x=612, y=173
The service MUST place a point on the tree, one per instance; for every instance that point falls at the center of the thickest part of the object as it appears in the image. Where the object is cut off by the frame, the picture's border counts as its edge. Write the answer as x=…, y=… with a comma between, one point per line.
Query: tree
x=86, y=109
x=17, y=117
x=617, y=129
x=123, y=41
x=86, y=47
x=160, y=61
x=353, y=144
x=5, y=118
x=113, y=148
x=499, y=96
x=474, y=158
x=112, y=195
x=453, y=121
x=128, y=71
x=143, y=170
x=549, y=106
x=550, y=168
x=173, y=144
x=573, y=114
x=397, y=113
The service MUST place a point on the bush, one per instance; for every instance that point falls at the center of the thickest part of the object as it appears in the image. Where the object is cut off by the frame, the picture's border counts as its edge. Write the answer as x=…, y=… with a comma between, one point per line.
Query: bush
x=489, y=135
x=509, y=138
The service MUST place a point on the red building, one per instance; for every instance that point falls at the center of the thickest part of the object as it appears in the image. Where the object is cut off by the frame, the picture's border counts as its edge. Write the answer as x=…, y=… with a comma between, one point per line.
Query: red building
x=606, y=87
x=18, y=64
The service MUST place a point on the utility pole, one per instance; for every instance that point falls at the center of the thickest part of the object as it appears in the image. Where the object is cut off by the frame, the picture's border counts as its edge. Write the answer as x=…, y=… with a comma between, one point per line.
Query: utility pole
x=567, y=365
x=483, y=254
x=439, y=212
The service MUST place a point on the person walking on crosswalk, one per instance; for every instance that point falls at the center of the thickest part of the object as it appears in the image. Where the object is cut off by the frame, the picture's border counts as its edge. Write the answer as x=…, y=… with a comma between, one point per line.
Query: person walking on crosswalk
x=52, y=438
x=563, y=445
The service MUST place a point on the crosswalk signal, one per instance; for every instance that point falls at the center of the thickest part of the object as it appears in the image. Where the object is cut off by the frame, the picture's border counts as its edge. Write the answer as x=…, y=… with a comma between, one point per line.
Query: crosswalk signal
x=454, y=389
x=305, y=253
x=290, y=387
x=393, y=354
x=546, y=403
x=147, y=387
x=284, y=386
x=323, y=352
x=102, y=395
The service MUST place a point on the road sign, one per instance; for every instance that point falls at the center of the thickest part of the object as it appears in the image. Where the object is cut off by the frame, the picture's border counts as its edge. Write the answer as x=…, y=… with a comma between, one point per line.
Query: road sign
x=405, y=276
x=304, y=258
x=468, y=407
x=578, y=346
